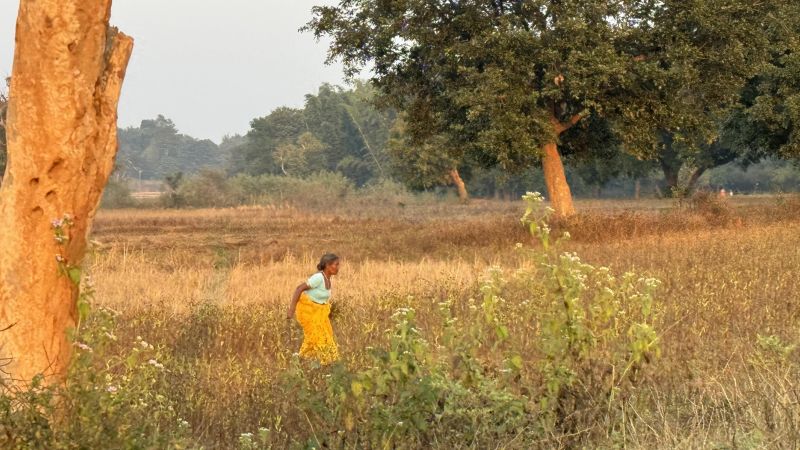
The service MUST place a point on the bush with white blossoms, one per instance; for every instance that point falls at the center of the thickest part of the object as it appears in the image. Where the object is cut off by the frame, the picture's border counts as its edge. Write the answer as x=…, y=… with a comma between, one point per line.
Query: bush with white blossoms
x=110, y=399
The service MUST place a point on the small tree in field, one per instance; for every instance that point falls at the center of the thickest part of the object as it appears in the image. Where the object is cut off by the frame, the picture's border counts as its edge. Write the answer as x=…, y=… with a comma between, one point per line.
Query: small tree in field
x=62, y=137
x=507, y=79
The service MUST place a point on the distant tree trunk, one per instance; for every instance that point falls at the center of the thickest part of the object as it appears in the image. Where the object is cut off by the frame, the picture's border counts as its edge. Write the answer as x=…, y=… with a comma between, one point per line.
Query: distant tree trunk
x=671, y=177
x=694, y=178
x=463, y=195
x=62, y=138
x=556, y=180
x=637, y=189
x=554, y=176
x=671, y=164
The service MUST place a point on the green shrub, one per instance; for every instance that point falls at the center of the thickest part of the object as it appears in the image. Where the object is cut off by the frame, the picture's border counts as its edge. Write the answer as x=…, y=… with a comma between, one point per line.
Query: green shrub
x=117, y=194
x=114, y=396
x=318, y=190
x=385, y=192
x=208, y=189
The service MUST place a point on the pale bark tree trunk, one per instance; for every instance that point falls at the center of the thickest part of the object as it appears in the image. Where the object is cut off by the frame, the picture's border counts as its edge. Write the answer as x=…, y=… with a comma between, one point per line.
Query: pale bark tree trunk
x=556, y=180
x=554, y=176
x=463, y=195
x=637, y=189
x=62, y=139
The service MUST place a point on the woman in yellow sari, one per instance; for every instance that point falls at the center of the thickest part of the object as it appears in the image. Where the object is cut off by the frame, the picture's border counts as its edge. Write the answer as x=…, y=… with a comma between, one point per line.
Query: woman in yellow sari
x=311, y=305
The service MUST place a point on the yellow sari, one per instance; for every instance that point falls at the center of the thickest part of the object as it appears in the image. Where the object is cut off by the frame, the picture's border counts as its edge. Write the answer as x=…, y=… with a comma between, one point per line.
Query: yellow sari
x=318, y=342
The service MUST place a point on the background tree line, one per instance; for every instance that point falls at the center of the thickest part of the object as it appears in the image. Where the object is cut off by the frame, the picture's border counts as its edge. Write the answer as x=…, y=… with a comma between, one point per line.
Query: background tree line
x=345, y=132
x=501, y=97
x=516, y=84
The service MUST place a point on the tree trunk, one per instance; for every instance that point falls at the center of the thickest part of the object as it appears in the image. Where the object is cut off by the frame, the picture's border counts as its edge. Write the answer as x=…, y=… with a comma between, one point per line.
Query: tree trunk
x=637, y=189
x=556, y=181
x=692, y=185
x=463, y=195
x=671, y=174
x=554, y=176
x=670, y=161
x=62, y=139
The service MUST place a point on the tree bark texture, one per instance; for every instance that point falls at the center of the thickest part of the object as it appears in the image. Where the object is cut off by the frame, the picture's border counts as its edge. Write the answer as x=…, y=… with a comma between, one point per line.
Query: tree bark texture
x=62, y=138
x=463, y=195
x=555, y=178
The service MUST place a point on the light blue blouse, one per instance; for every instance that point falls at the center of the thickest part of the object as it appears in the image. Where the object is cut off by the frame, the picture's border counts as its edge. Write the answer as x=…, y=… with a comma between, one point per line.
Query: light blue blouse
x=317, y=291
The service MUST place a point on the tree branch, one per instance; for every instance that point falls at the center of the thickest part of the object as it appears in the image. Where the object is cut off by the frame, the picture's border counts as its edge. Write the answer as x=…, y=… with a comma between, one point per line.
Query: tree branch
x=564, y=126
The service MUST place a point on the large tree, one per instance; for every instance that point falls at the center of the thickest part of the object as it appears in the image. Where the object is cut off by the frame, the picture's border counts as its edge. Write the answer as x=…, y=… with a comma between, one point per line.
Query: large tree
x=62, y=137
x=759, y=125
x=768, y=123
x=508, y=78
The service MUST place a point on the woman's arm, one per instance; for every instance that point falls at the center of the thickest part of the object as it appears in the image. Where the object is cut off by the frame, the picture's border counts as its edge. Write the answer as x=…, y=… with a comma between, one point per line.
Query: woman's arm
x=295, y=297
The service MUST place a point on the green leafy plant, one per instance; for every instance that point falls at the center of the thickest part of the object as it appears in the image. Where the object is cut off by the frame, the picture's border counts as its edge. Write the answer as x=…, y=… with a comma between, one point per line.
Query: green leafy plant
x=595, y=329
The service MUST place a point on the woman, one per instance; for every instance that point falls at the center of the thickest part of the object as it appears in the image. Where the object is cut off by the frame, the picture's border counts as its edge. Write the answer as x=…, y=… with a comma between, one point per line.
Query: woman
x=311, y=304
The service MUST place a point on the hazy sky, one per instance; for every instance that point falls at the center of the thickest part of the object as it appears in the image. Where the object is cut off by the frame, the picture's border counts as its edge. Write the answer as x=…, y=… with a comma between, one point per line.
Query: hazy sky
x=209, y=65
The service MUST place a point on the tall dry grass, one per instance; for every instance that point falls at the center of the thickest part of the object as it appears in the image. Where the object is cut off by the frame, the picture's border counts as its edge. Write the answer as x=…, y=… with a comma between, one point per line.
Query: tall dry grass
x=212, y=287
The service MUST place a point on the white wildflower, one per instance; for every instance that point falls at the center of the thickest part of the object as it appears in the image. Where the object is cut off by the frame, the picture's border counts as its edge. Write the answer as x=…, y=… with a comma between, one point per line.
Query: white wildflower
x=155, y=364
x=83, y=347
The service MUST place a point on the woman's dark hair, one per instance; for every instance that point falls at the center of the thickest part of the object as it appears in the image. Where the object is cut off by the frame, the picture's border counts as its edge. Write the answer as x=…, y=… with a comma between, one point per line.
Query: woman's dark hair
x=327, y=260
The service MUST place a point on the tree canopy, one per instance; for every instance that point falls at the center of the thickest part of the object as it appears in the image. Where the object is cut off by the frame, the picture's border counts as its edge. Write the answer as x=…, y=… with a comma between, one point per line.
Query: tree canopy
x=156, y=149
x=337, y=130
x=506, y=79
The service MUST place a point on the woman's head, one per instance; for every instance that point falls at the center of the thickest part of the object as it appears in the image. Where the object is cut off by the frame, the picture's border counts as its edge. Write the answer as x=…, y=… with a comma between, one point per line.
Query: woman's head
x=329, y=263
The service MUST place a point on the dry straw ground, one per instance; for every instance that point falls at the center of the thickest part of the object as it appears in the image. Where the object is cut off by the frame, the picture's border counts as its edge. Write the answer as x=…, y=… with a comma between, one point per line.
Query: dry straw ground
x=211, y=286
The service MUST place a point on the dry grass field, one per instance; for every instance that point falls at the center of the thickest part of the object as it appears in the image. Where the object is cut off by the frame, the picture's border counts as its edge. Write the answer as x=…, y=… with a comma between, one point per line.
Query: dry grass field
x=210, y=287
